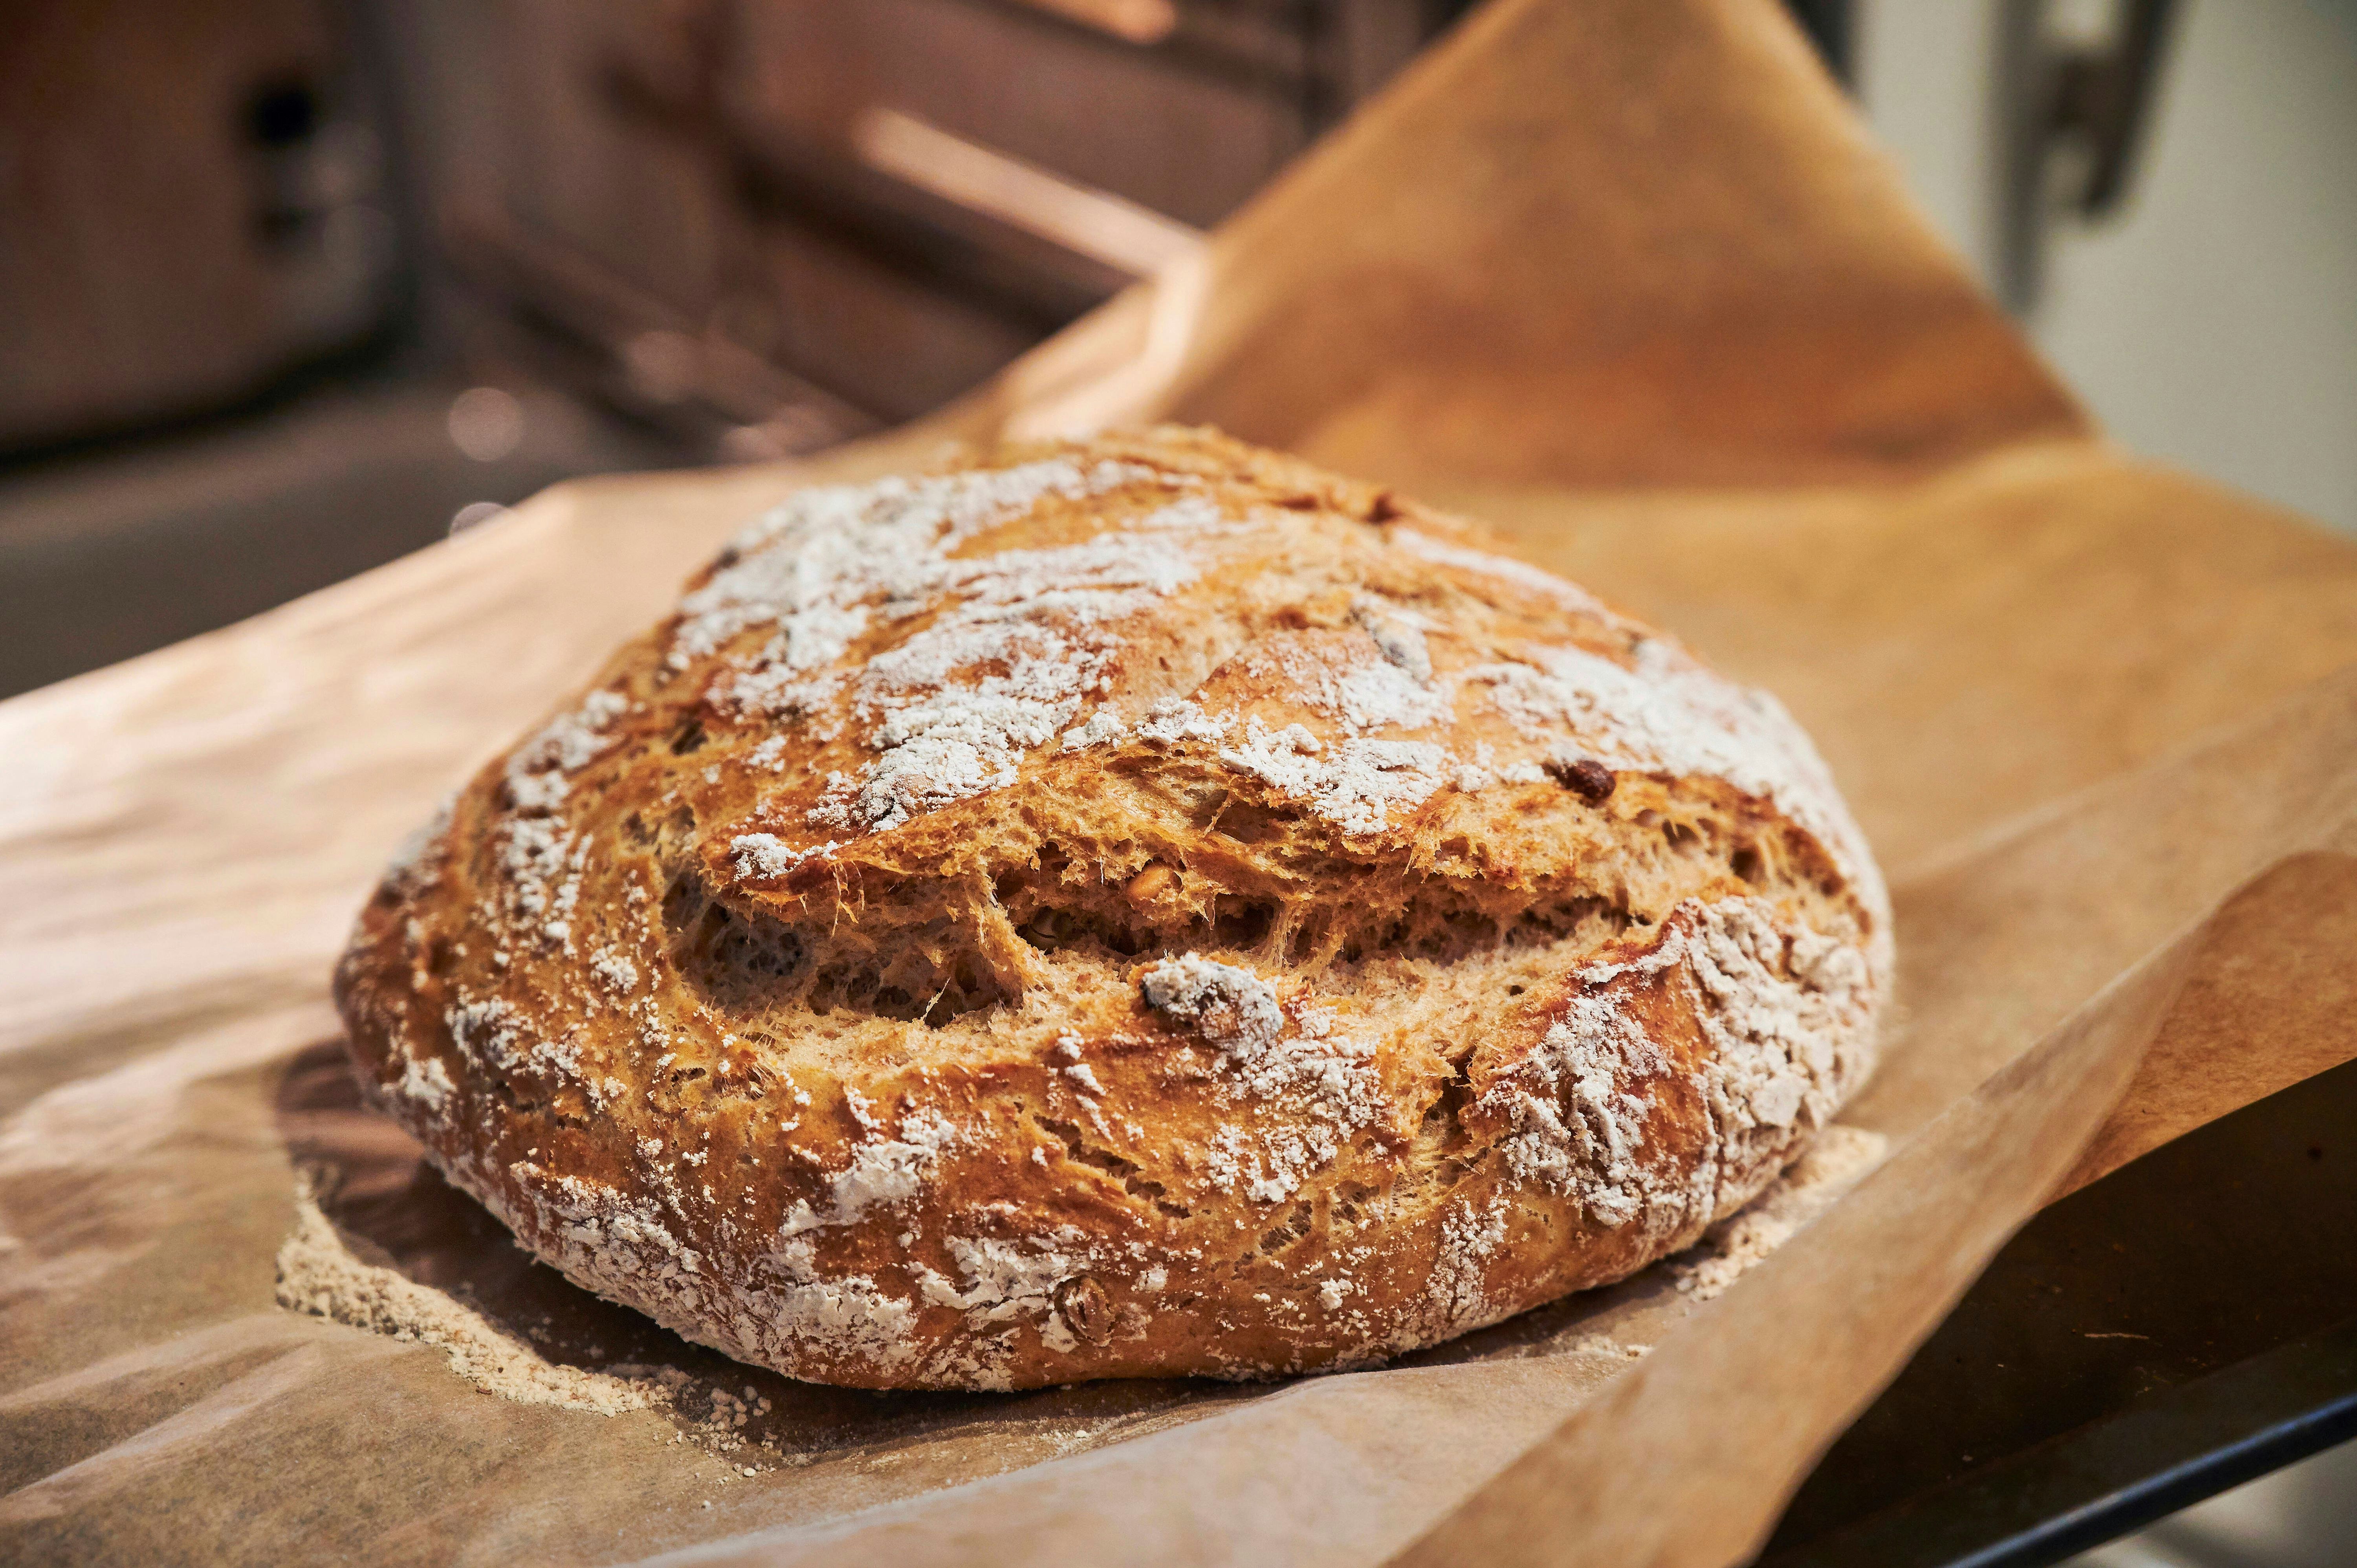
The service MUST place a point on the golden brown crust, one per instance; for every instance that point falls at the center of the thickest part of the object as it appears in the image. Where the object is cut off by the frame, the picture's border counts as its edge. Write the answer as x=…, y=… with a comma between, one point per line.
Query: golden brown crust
x=1122, y=908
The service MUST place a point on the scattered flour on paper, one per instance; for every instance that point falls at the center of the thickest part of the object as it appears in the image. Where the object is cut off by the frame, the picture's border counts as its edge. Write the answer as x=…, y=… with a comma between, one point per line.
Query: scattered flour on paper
x=1838, y=1161
x=1612, y=1350
x=318, y=1274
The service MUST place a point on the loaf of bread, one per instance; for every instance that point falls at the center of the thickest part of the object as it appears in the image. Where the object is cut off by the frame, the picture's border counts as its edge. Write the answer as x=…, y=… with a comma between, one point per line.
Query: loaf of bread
x=1122, y=908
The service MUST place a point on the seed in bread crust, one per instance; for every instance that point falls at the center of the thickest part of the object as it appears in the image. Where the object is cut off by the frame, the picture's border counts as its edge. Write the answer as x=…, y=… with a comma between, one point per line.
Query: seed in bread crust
x=1584, y=776
x=1150, y=883
x=1083, y=1305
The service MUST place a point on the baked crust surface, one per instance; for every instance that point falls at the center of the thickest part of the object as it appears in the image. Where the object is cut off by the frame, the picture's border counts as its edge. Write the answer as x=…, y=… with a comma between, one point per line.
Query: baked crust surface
x=1122, y=908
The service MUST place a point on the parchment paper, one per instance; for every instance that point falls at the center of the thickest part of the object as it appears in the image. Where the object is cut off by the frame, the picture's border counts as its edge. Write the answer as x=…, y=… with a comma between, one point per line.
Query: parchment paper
x=1626, y=280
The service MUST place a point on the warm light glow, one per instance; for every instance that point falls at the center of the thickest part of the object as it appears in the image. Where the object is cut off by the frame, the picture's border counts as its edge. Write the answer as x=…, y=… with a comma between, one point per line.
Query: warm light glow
x=1136, y=21
x=1091, y=222
x=486, y=424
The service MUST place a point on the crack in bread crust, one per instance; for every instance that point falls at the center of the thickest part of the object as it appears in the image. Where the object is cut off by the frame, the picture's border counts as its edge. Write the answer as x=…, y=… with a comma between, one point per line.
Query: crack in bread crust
x=1116, y=909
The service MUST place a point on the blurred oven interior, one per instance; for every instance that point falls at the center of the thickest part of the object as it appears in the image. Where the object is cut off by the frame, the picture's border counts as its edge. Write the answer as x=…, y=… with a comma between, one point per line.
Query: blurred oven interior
x=286, y=287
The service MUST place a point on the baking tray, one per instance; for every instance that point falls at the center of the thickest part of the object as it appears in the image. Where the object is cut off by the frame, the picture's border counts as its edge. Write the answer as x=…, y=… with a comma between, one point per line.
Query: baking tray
x=2180, y=1326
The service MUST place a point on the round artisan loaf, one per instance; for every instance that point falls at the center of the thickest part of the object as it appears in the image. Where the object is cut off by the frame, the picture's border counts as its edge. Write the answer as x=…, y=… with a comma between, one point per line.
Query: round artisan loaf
x=1122, y=908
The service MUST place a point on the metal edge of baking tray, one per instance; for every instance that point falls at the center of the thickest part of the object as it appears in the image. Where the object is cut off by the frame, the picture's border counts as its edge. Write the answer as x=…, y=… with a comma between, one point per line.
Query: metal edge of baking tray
x=2162, y=1454
x=2163, y=1333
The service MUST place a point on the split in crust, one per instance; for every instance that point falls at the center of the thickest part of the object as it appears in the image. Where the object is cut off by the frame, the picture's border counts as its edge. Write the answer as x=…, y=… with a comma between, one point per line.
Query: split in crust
x=1122, y=908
